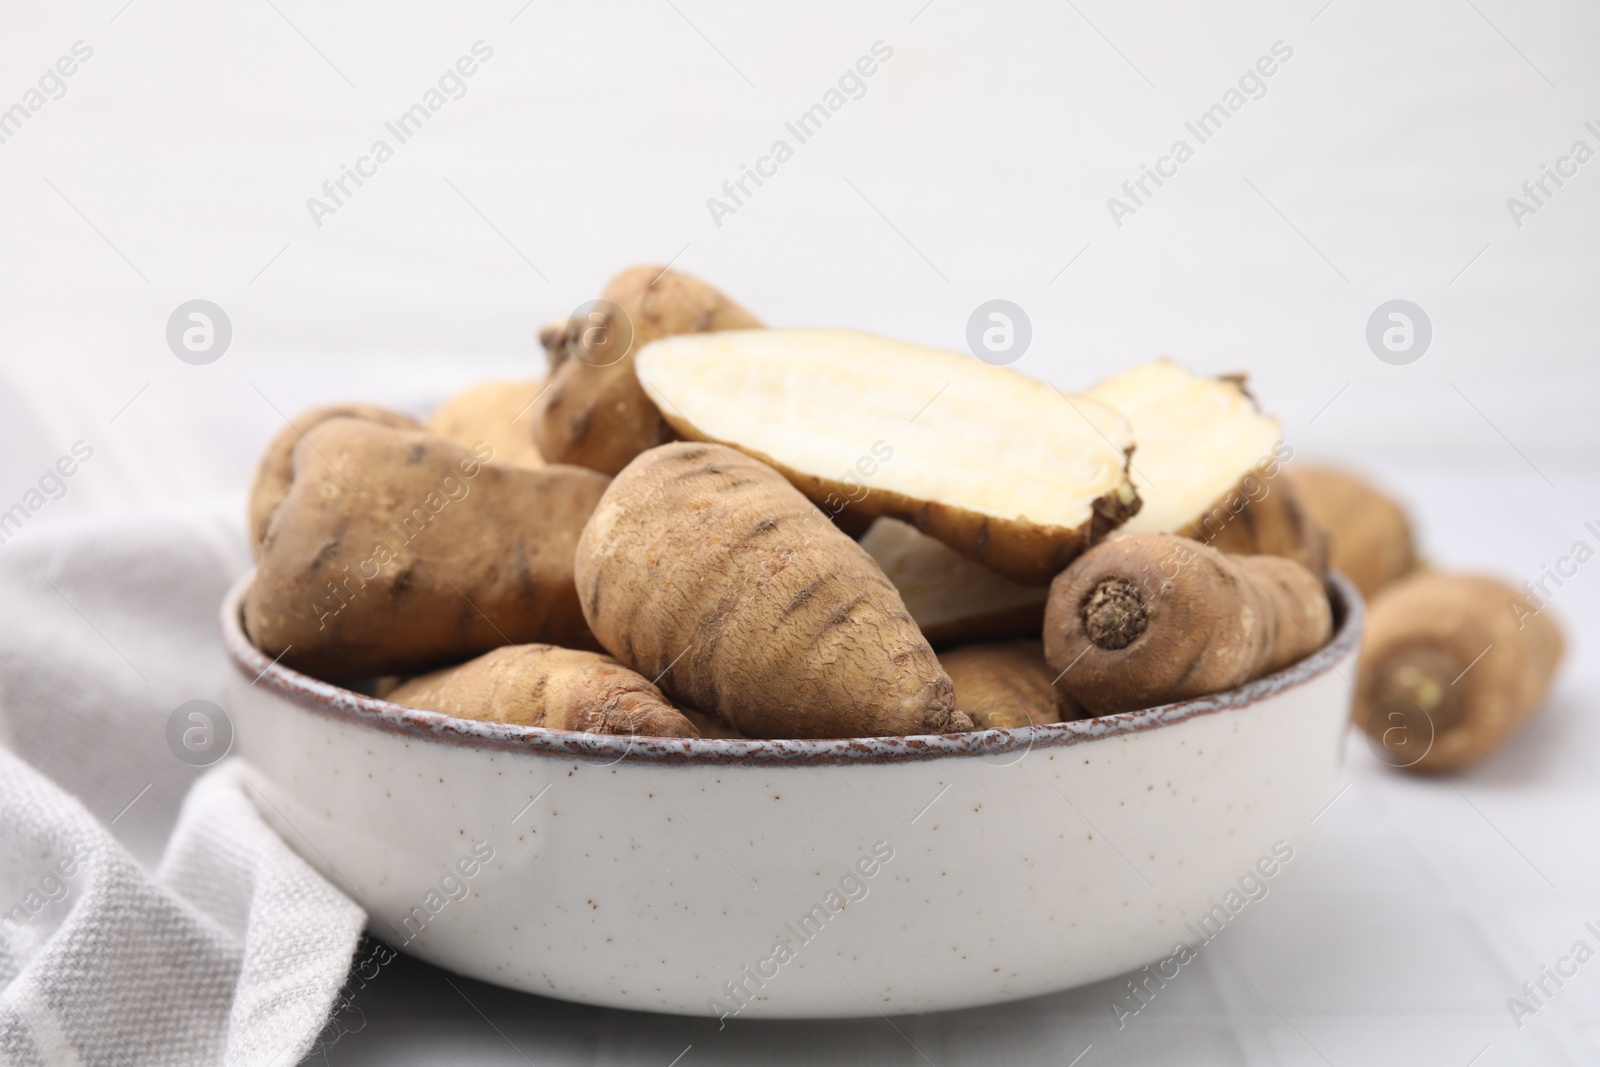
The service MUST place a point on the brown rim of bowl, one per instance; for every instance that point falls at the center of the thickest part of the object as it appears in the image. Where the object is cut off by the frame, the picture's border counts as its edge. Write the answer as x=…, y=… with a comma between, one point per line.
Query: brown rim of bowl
x=1007, y=745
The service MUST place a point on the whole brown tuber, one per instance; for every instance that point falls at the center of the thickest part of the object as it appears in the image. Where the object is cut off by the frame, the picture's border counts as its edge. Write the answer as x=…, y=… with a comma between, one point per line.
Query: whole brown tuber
x=1155, y=618
x=1452, y=665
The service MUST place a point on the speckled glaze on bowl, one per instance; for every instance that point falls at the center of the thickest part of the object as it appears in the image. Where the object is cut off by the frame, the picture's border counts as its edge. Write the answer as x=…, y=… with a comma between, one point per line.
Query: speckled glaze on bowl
x=792, y=878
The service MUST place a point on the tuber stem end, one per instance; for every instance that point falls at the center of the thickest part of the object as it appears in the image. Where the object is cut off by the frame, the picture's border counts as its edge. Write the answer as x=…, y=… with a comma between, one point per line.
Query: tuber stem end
x=1114, y=614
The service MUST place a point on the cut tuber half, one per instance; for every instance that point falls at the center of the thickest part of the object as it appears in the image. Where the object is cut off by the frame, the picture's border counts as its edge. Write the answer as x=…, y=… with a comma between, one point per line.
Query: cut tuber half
x=1208, y=464
x=1008, y=471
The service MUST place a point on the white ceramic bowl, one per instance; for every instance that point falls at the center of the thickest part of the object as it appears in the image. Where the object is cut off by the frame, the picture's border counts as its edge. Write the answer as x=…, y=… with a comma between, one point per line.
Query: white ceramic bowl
x=796, y=878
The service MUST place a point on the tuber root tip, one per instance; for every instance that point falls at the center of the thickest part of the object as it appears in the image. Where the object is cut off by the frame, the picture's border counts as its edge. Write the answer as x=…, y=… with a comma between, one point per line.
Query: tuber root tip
x=1114, y=614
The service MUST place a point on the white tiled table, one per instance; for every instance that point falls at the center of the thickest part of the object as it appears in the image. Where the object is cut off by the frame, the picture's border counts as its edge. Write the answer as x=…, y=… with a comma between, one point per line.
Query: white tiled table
x=1395, y=936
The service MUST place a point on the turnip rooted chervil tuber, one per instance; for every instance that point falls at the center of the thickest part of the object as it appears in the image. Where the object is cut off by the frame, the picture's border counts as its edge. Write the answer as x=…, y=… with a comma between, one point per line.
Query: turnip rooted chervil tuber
x=396, y=551
x=1451, y=666
x=543, y=685
x=498, y=413
x=276, y=469
x=1208, y=463
x=1008, y=471
x=952, y=597
x=594, y=414
x=1002, y=685
x=707, y=572
x=1154, y=618
x=1369, y=536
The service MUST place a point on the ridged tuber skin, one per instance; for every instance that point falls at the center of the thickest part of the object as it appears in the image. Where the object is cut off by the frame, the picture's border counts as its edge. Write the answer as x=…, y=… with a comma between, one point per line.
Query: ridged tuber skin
x=1369, y=536
x=276, y=469
x=1003, y=685
x=599, y=416
x=1265, y=514
x=705, y=569
x=1452, y=665
x=556, y=688
x=395, y=551
x=1154, y=618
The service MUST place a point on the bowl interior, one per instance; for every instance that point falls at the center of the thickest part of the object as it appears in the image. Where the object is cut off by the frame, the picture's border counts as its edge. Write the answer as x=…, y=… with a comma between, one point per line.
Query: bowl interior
x=327, y=698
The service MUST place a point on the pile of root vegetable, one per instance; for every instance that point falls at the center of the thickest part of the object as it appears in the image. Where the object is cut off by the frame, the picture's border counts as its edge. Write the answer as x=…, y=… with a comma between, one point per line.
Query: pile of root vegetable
x=701, y=527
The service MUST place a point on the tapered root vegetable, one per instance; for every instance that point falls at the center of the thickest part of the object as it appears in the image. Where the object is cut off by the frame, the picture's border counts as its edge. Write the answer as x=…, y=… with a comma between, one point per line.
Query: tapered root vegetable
x=396, y=551
x=276, y=469
x=1369, y=535
x=594, y=414
x=1002, y=685
x=1156, y=618
x=498, y=413
x=951, y=597
x=1208, y=464
x=1007, y=471
x=1452, y=665
x=557, y=688
x=706, y=570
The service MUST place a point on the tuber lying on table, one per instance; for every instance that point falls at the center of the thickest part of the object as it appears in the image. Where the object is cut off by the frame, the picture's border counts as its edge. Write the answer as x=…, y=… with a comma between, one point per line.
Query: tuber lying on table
x=395, y=551
x=705, y=569
x=542, y=685
x=1451, y=666
x=1154, y=618
x=1368, y=533
x=594, y=414
x=276, y=469
x=1001, y=685
x=499, y=413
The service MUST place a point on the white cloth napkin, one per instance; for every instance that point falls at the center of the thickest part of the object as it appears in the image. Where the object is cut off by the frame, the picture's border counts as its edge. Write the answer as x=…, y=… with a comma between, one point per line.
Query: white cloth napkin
x=229, y=949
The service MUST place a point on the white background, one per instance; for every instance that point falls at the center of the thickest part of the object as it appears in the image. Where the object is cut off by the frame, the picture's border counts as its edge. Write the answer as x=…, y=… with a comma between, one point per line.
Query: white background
x=977, y=165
